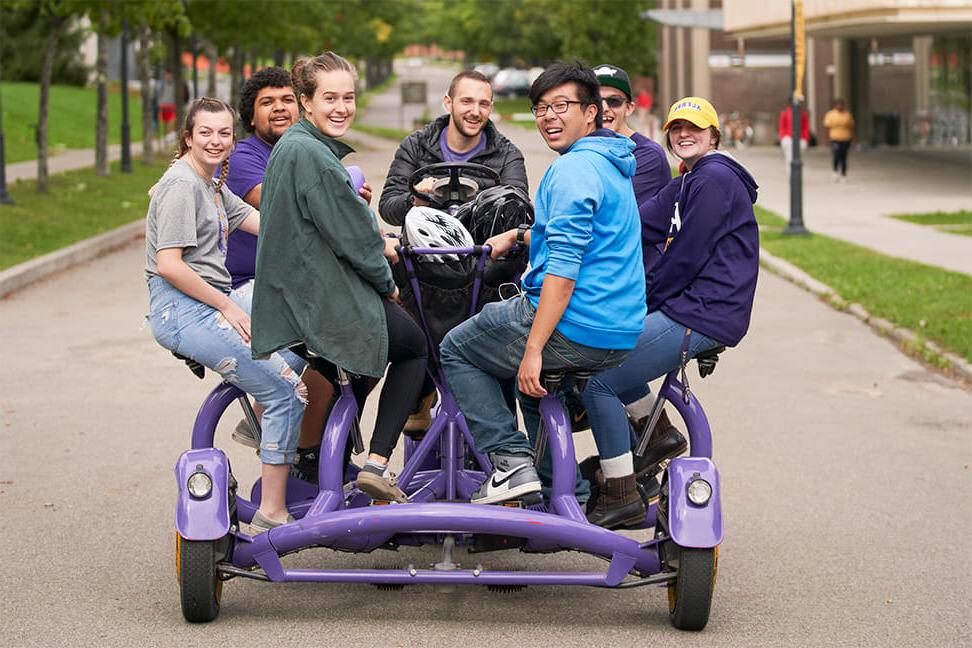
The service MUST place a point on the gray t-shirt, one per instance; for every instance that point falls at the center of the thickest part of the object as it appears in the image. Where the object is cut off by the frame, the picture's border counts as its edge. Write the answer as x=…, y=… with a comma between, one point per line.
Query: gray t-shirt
x=183, y=213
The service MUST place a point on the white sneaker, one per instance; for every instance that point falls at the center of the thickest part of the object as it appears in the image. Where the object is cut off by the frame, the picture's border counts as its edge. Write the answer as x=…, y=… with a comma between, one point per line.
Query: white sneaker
x=834, y=177
x=513, y=476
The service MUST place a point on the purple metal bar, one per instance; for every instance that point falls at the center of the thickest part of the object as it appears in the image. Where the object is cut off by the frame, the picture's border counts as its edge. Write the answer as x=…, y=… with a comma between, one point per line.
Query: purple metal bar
x=449, y=453
x=560, y=441
x=477, y=282
x=331, y=463
x=455, y=577
x=700, y=435
x=204, y=428
x=367, y=528
x=475, y=249
x=424, y=447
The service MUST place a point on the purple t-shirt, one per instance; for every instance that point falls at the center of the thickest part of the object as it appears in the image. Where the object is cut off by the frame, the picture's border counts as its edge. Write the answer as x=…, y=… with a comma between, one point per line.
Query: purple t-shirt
x=247, y=164
x=451, y=156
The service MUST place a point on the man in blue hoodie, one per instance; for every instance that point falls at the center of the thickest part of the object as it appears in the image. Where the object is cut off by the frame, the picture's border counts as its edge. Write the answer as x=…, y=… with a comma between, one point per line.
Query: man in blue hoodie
x=583, y=301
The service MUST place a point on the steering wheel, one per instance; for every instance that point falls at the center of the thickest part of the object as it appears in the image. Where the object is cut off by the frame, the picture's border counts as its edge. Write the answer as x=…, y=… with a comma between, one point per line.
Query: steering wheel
x=453, y=190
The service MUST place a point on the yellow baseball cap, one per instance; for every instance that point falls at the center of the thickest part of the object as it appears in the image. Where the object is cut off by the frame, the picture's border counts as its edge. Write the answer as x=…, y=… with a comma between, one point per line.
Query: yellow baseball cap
x=694, y=109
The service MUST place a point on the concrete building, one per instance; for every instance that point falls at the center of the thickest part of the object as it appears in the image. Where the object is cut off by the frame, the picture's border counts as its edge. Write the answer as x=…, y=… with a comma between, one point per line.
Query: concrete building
x=904, y=67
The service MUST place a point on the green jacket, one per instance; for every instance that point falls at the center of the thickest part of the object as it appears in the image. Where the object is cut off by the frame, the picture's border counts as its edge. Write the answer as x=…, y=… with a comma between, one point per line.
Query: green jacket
x=320, y=271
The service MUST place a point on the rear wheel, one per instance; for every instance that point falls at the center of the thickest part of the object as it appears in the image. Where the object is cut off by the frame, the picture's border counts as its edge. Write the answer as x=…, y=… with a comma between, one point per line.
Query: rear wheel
x=690, y=596
x=199, y=584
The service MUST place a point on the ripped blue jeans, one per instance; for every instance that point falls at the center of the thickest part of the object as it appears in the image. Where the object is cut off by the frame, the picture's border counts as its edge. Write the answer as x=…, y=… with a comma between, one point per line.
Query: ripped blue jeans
x=198, y=331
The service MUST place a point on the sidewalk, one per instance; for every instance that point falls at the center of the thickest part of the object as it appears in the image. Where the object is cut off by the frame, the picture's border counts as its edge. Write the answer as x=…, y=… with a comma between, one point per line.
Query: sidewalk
x=879, y=183
x=71, y=159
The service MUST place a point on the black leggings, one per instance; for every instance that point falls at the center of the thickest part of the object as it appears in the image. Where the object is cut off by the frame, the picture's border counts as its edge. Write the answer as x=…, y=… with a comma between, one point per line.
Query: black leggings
x=408, y=356
x=839, y=150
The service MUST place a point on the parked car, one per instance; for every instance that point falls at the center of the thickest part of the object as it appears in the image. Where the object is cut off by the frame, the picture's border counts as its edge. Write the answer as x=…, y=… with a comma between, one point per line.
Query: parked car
x=488, y=70
x=511, y=83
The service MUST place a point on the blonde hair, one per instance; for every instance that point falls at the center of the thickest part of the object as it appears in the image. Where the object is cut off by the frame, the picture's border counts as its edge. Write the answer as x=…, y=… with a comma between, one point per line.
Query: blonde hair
x=304, y=71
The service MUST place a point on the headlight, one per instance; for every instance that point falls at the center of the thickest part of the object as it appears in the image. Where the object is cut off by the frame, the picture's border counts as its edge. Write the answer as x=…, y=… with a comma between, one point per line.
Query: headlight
x=699, y=491
x=200, y=485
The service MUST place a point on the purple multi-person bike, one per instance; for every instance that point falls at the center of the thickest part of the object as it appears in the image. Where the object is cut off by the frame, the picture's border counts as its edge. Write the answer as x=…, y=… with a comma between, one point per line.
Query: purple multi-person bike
x=441, y=472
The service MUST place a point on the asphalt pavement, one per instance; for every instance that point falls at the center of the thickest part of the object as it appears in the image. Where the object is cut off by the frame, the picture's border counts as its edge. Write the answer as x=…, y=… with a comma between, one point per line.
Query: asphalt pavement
x=844, y=464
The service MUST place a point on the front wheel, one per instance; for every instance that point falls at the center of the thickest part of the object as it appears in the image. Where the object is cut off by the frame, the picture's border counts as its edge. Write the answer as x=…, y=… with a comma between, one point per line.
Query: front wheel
x=200, y=587
x=690, y=596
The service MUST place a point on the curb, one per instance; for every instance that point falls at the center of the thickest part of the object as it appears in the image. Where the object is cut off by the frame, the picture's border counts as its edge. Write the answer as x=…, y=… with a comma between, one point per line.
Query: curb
x=912, y=343
x=26, y=273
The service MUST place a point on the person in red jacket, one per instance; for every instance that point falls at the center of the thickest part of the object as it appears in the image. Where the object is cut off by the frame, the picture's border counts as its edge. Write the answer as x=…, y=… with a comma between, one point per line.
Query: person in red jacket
x=785, y=133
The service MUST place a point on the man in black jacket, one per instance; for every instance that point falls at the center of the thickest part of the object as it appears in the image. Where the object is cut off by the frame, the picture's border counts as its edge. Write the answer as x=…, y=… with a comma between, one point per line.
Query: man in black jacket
x=464, y=134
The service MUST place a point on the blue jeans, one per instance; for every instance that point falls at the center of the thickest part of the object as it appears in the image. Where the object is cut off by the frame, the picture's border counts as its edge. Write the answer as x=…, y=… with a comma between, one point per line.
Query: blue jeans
x=488, y=348
x=198, y=331
x=656, y=354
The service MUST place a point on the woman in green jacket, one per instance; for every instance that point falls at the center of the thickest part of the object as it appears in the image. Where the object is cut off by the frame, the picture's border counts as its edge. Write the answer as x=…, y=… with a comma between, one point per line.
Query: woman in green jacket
x=323, y=282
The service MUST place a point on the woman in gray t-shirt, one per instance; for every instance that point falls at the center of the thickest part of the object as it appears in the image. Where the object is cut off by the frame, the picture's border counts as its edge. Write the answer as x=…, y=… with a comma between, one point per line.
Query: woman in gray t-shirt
x=192, y=310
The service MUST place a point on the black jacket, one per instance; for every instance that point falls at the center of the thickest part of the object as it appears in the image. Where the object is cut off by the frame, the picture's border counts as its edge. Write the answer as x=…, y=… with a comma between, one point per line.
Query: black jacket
x=421, y=148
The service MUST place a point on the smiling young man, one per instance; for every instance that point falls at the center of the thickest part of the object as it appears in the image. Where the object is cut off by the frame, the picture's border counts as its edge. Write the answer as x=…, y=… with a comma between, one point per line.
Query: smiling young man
x=463, y=134
x=583, y=300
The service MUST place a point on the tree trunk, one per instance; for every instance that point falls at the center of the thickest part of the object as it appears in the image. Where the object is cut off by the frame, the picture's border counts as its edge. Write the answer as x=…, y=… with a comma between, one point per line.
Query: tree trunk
x=53, y=35
x=101, y=81
x=145, y=78
x=236, y=75
x=178, y=78
x=213, y=55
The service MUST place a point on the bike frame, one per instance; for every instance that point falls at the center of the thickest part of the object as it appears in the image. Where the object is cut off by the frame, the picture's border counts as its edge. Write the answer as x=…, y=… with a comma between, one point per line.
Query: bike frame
x=330, y=517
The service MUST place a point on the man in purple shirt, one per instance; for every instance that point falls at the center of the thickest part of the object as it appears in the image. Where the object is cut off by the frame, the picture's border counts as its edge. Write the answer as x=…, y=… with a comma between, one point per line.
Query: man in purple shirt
x=268, y=107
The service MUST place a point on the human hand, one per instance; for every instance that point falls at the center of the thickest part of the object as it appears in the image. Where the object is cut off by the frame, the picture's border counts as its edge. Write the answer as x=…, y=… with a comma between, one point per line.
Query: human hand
x=237, y=318
x=365, y=192
x=425, y=186
x=395, y=296
x=390, y=252
x=501, y=243
x=528, y=376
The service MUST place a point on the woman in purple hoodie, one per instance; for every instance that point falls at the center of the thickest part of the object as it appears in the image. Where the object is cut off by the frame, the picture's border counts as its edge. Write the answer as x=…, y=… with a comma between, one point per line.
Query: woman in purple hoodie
x=700, y=291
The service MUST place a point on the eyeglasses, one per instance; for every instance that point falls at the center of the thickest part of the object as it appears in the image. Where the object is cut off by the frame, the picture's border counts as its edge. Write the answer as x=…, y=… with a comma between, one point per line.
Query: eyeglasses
x=559, y=107
x=614, y=101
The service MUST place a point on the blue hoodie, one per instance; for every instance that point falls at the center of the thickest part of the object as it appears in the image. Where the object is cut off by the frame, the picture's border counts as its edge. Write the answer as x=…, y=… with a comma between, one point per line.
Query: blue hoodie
x=706, y=279
x=587, y=229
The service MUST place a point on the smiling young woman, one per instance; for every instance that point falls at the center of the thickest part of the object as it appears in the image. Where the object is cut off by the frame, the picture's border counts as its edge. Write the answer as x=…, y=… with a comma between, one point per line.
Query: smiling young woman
x=333, y=295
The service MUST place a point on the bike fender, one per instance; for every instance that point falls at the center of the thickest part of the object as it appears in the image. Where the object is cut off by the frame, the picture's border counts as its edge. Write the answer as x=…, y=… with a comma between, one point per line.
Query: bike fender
x=207, y=518
x=692, y=525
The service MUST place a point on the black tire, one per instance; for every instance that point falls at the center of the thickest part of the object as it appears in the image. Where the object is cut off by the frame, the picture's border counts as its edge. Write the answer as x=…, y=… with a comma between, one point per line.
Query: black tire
x=200, y=587
x=690, y=596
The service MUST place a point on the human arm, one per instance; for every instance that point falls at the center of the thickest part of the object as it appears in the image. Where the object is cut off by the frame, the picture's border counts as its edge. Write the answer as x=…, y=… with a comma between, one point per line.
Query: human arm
x=500, y=244
x=177, y=272
x=657, y=212
x=349, y=228
x=554, y=297
x=251, y=223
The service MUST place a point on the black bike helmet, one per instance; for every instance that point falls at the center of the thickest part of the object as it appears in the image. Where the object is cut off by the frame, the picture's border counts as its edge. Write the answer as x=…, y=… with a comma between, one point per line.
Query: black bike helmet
x=495, y=210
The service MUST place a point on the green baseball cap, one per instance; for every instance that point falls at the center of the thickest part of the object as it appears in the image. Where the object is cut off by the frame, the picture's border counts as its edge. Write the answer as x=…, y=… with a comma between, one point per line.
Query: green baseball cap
x=615, y=77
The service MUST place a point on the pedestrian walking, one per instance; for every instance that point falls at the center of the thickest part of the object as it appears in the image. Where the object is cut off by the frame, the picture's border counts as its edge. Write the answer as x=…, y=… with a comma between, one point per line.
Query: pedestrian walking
x=840, y=129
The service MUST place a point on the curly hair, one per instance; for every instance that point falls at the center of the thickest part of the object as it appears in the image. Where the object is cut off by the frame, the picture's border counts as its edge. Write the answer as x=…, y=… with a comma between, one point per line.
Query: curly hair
x=269, y=77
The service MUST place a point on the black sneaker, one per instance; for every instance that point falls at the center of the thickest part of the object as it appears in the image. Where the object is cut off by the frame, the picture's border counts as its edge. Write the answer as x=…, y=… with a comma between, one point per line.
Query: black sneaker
x=665, y=442
x=306, y=467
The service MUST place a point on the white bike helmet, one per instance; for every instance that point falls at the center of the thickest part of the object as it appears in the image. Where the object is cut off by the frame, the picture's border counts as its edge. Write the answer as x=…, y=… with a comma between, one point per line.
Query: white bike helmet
x=426, y=227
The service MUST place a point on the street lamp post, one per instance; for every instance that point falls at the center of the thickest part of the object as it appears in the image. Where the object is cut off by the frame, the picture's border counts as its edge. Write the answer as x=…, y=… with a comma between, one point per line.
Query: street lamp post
x=126, y=130
x=796, y=164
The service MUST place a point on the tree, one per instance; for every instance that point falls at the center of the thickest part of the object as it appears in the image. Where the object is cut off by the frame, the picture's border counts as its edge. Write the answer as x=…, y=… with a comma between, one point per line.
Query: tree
x=144, y=63
x=101, y=84
x=55, y=24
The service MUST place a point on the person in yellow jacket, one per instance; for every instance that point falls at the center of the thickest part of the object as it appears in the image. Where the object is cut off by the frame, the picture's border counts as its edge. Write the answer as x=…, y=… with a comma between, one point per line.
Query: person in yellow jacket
x=840, y=130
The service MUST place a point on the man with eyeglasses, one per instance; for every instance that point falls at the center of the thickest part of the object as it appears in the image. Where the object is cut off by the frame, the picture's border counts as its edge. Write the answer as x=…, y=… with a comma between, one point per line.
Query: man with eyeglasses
x=583, y=300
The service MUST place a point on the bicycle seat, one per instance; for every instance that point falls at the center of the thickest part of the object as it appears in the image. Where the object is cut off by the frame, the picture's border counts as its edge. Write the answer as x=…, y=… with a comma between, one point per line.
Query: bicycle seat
x=551, y=378
x=707, y=360
x=196, y=368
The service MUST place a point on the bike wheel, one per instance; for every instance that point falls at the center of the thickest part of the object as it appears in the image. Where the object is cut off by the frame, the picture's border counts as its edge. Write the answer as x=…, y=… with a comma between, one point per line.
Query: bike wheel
x=200, y=587
x=690, y=596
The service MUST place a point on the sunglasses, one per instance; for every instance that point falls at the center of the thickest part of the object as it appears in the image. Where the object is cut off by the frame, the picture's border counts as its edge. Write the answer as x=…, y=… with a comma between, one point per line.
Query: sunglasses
x=614, y=101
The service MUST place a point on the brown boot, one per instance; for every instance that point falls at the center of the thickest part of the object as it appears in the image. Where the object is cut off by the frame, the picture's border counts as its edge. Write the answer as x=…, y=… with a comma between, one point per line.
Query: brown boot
x=421, y=418
x=618, y=503
x=665, y=442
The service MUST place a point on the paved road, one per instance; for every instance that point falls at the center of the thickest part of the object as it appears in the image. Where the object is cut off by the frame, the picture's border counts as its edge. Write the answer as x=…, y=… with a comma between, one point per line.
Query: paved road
x=845, y=466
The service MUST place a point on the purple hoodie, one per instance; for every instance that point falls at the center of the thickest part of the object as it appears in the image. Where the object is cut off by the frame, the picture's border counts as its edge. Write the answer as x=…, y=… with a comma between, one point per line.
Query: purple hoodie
x=706, y=279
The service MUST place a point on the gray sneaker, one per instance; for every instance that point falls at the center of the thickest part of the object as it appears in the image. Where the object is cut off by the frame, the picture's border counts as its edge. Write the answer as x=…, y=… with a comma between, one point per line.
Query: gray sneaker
x=243, y=433
x=513, y=476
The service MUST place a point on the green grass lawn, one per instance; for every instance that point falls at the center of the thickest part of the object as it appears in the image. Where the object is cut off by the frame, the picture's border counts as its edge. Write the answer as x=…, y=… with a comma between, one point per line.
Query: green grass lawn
x=934, y=303
x=959, y=222
x=71, y=120
x=80, y=205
